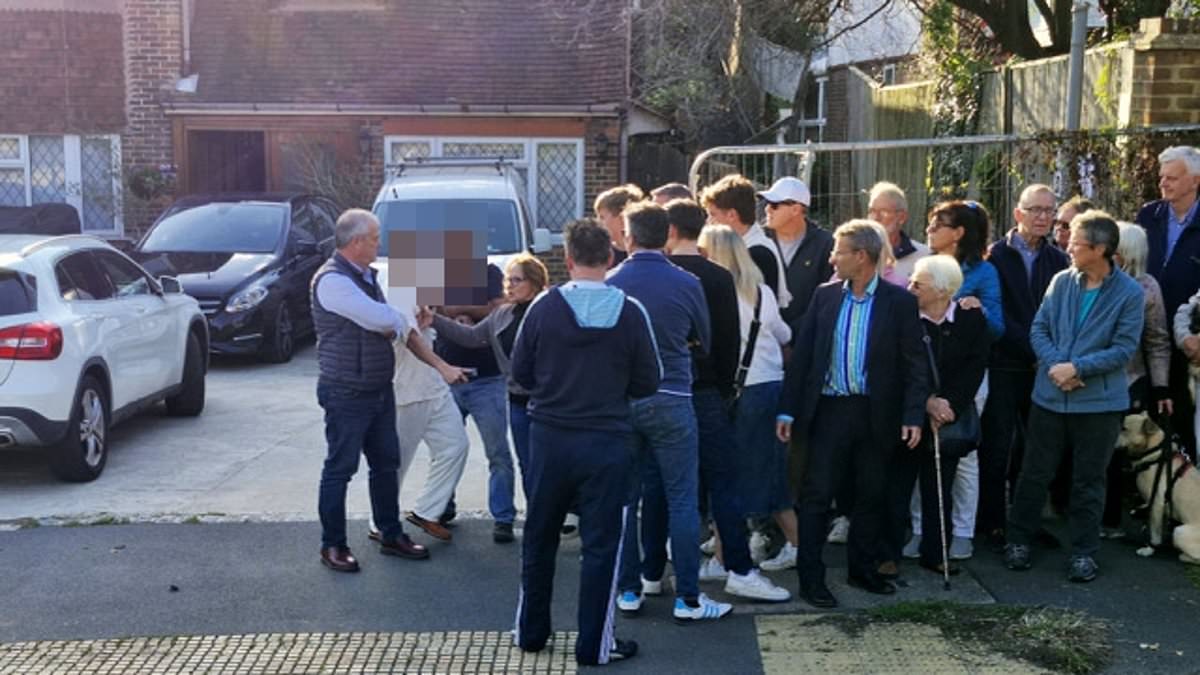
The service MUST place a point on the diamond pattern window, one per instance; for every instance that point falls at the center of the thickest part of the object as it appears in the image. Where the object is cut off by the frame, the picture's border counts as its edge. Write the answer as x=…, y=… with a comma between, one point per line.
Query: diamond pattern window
x=557, y=184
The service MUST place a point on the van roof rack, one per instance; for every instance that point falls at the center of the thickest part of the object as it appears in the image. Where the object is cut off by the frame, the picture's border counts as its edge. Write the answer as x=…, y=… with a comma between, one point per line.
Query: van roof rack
x=499, y=161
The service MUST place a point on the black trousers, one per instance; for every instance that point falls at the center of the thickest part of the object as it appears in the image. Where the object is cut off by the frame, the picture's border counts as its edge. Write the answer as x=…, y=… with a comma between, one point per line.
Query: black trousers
x=591, y=469
x=918, y=466
x=841, y=443
x=1005, y=416
x=1090, y=438
x=1184, y=409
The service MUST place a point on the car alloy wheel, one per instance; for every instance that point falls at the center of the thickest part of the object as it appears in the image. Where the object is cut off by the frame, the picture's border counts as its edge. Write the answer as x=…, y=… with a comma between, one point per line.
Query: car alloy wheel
x=92, y=427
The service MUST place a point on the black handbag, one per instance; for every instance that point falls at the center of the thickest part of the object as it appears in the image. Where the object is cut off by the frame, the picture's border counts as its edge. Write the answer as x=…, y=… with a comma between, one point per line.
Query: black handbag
x=743, y=369
x=962, y=436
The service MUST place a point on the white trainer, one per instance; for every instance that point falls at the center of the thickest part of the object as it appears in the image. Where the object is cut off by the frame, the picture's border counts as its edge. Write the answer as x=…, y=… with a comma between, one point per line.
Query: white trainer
x=759, y=545
x=840, y=530
x=709, y=546
x=961, y=548
x=651, y=587
x=784, y=560
x=712, y=570
x=912, y=550
x=755, y=586
x=706, y=609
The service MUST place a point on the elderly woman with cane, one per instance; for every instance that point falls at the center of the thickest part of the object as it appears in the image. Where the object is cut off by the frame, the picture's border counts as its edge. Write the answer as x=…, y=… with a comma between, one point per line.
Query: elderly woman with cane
x=956, y=343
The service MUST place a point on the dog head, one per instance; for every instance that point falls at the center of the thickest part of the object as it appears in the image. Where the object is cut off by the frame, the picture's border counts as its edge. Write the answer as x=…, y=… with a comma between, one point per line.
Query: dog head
x=1139, y=435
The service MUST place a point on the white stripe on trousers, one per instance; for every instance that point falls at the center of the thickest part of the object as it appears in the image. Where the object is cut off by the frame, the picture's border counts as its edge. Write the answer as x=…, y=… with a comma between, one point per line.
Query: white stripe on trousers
x=608, y=640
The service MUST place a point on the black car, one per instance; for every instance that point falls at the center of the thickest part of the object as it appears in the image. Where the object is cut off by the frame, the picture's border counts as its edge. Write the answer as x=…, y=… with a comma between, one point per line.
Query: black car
x=248, y=259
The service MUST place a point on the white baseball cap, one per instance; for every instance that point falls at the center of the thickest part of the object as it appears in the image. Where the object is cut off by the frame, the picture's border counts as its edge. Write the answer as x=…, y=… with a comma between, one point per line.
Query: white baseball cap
x=788, y=189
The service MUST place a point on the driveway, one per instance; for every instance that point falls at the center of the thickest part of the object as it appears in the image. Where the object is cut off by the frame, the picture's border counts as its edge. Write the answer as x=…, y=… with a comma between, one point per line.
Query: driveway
x=255, y=453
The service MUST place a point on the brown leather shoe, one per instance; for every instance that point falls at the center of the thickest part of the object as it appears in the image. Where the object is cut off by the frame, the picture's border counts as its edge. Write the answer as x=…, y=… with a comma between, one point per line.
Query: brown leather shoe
x=431, y=527
x=403, y=547
x=339, y=559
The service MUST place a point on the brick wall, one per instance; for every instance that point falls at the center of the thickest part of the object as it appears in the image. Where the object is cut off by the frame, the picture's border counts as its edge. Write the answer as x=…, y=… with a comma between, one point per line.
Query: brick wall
x=61, y=72
x=1166, y=72
x=153, y=62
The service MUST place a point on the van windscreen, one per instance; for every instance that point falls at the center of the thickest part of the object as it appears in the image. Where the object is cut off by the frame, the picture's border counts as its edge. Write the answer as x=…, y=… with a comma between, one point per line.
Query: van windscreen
x=495, y=217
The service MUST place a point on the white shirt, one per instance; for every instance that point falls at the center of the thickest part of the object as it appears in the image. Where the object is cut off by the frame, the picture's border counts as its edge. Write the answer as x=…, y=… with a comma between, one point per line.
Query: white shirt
x=414, y=380
x=767, y=363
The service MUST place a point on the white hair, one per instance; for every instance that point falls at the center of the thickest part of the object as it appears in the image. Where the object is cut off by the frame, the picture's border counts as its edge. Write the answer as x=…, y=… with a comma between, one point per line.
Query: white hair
x=944, y=270
x=892, y=192
x=1133, y=249
x=1182, y=153
x=352, y=224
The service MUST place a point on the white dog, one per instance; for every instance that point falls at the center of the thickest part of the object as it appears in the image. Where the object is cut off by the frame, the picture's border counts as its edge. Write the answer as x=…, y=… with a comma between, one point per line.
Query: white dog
x=1145, y=443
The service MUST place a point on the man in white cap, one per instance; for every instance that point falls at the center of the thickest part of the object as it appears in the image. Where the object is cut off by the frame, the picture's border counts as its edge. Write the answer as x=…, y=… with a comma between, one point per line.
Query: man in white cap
x=804, y=248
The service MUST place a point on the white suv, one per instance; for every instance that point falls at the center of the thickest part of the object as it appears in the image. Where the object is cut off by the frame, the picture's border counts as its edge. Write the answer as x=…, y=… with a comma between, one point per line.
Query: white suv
x=87, y=338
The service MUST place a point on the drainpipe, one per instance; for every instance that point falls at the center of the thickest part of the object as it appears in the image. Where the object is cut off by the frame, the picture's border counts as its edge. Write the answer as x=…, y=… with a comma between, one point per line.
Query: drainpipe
x=1079, y=17
x=186, y=25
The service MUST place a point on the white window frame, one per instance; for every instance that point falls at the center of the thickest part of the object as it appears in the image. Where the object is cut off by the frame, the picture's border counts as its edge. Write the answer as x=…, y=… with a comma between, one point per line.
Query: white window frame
x=529, y=162
x=73, y=172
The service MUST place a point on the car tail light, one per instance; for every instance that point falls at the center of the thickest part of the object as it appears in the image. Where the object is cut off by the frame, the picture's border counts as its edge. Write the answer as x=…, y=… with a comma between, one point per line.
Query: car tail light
x=40, y=341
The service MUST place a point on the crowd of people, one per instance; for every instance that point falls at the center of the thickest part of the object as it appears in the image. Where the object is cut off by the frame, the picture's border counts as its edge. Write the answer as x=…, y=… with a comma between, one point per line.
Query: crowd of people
x=732, y=393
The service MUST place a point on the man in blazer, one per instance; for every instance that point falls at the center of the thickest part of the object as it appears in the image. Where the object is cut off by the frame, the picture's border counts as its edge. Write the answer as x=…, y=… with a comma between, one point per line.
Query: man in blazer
x=859, y=358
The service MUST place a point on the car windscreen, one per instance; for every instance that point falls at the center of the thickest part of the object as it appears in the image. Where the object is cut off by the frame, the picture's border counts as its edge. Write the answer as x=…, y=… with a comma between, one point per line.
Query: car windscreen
x=496, y=217
x=219, y=228
x=18, y=292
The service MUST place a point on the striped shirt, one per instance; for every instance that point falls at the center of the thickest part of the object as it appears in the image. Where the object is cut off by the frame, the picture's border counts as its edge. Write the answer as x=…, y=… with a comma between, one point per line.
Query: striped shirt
x=847, y=374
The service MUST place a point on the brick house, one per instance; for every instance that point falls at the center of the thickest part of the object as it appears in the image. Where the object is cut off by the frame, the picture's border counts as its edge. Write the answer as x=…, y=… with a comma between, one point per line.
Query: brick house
x=236, y=95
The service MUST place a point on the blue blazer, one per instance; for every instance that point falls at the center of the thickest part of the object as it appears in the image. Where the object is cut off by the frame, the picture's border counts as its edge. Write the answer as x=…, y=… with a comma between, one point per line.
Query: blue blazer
x=1179, y=277
x=897, y=367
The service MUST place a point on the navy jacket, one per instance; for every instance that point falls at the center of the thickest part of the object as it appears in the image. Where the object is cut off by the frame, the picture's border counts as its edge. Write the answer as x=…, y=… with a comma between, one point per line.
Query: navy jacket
x=582, y=356
x=897, y=367
x=675, y=301
x=1178, y=277
x=1021, y=300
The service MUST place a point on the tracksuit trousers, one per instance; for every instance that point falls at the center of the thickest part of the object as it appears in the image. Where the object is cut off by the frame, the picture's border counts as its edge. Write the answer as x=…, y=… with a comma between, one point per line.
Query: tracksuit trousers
x=590, y=469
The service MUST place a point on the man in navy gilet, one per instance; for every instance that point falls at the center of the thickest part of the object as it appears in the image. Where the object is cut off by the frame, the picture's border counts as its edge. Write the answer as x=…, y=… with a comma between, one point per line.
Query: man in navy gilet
x=355, y=330
x=583, y=350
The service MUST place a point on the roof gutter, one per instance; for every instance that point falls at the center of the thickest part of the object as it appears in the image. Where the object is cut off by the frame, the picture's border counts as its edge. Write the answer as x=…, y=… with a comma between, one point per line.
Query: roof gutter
x=452, y=109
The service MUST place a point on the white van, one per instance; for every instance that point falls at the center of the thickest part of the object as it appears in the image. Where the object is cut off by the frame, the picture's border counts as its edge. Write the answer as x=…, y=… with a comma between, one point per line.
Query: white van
x=483, y=195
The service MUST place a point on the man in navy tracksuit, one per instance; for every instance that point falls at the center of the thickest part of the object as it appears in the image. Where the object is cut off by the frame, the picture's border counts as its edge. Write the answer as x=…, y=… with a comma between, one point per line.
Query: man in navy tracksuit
x=583, y=351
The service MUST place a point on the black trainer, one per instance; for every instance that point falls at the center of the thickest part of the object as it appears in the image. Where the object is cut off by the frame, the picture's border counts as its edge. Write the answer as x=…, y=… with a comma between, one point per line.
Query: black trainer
x=817, y=594
x=624, y=649
x=1016, y=557
x=871, y=583
x=502, y=533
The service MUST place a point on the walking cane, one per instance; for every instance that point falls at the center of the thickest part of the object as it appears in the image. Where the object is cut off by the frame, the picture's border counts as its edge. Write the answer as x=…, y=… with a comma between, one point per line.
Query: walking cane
x=937, y=467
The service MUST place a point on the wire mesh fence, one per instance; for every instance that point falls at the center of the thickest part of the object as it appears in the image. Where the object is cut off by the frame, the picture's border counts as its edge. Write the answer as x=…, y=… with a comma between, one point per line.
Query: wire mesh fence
x=1116, y=169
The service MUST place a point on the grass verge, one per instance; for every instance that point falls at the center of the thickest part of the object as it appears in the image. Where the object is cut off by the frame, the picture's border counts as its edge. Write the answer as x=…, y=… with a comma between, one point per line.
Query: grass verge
x=1061, y=640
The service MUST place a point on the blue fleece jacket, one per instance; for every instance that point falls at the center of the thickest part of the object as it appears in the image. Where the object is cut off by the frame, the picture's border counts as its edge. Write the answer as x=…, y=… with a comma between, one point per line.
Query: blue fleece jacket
x=583, y=350
x=981, y=280
x=1099, y=349
x=674, y=299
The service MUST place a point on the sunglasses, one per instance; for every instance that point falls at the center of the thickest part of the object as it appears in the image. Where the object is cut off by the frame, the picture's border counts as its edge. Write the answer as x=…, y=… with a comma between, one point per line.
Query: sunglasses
x=786, y=202
x=1062, y=225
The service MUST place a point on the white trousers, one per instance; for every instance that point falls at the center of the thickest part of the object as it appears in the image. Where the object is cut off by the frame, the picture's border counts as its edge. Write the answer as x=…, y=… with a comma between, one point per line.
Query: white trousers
x=965, y=494
x=439, y=423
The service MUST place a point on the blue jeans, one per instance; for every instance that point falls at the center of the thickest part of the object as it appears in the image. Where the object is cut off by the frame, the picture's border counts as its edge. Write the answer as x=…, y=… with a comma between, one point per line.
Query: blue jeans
x=355, y=422
x=518, y=421
x=486, y=399
x=762, y=468
x=668, y=458
x=718, y=466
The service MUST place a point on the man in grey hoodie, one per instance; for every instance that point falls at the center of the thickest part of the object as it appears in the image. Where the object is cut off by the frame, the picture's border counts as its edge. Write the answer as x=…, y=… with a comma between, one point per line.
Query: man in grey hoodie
x=1084, y=334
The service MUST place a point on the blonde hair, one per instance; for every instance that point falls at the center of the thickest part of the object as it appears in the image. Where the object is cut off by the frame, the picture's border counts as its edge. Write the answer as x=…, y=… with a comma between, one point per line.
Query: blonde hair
x=887, y=259
x=726, y=248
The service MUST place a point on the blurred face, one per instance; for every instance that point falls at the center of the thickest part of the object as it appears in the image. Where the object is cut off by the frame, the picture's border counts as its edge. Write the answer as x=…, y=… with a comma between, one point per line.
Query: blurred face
x=722, y=216
x=517, y=288
x=846, y=261
x=941, y=237
x=1083, y=253
x=883, y=210
x=1035, y=217
x=921, y=286
x=1175, y=183
x=1062, y=226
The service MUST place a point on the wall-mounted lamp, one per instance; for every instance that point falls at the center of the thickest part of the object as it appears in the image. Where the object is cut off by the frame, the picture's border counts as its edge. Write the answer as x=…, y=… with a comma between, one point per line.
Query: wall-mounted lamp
x=601, y=143
x=364, y=143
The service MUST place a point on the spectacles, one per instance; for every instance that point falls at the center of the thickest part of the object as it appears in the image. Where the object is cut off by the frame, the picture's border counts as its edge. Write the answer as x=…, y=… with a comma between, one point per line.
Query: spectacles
x=881, y=212
x=1062, y=225
x=1043, y=211
x=516, y=280
x=775, y=205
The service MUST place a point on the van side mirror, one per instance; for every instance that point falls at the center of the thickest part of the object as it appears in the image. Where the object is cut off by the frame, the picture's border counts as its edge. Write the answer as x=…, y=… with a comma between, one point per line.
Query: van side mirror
x=170, y=285
x=541, y=240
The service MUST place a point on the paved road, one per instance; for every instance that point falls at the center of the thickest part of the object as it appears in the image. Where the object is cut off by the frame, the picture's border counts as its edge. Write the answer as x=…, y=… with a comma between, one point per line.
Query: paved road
x=255, y=452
